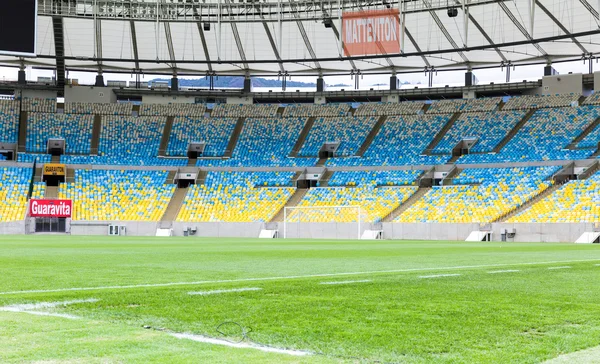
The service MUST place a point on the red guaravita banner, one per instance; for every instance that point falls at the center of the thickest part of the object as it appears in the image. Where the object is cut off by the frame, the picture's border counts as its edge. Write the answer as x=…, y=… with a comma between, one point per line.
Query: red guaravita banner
x=50, y=208
x=371, y=32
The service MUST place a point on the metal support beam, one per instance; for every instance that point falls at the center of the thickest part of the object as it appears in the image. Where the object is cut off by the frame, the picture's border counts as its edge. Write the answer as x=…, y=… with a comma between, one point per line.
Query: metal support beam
x=560, y=25
x=444, y=31
x=521, y=28
x=170, y=47
x=134, y=44
x=305, y=38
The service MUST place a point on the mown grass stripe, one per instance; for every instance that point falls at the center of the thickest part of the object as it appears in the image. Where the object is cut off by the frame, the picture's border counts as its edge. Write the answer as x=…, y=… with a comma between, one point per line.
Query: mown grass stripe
x=219, y=291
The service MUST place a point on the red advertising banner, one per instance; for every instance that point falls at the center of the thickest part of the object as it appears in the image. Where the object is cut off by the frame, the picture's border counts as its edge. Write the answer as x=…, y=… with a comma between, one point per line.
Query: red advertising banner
x=50, y=208
x=371, y=32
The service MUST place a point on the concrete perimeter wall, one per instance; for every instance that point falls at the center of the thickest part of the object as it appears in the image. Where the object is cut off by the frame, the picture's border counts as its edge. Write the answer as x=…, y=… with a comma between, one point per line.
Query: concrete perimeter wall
x=563, y=232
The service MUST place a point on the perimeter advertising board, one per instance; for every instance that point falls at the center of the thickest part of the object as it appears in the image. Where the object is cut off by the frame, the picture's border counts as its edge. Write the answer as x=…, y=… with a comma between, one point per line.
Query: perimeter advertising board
x=50, y=208
x=371, y=32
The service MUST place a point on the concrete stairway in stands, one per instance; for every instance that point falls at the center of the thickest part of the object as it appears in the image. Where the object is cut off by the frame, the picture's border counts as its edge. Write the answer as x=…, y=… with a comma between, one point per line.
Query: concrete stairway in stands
x=173, y=208
x=537, y=198
x=51, y=192
x=302, y=138
x=22, y=132
x=406, y=204
x=292, y=202
x=369, y=140
x=440, y=135
x=235, y=136
x=590, y=128
x=514, y=131
x=164, y=141
x=96, y=130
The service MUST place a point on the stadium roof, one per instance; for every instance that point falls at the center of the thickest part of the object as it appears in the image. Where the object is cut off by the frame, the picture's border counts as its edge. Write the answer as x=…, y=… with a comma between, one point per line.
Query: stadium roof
x=269, y=37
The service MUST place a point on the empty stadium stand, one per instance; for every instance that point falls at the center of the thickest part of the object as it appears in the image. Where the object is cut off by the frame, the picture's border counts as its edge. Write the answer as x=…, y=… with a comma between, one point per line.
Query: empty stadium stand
x=14, y=185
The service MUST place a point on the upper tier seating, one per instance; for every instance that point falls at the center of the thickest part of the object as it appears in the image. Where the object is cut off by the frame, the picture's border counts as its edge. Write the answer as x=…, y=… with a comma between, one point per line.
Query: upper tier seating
x=474, y=105
x=349, y=131
x=265, y=142
x=14, y=185
x=591, y=140
x=30, y=158
x=243, y=111
x=99, y=108
x=593, y=99
x=9, y=121
x=487, y=127
x=328, y=110
x=128, y=140
x=480, y=195
x=237, y=197
x=544, y=137
x=39, y=105
x=100, y=195
x=215, y=132
x=390, y=108
x=401, y=141
x=191, y=110
x=526, y=102
x=574, y=202
x=75, y=129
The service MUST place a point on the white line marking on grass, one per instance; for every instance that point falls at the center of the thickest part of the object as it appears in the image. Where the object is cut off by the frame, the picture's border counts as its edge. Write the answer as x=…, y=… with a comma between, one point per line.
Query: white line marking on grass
x=504, y=271
x=555, y=268
x=439, y=276
x=206, y=293
x=31, y=308
x=210, y=340
x=263, y=279
x=347, y=282
x=596, y=265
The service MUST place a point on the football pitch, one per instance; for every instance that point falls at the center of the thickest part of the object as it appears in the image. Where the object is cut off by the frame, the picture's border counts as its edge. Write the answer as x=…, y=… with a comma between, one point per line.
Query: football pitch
x=182, y=300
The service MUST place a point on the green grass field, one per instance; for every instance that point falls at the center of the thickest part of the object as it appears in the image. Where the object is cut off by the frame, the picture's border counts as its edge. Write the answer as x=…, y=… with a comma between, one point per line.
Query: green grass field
x=399, y=302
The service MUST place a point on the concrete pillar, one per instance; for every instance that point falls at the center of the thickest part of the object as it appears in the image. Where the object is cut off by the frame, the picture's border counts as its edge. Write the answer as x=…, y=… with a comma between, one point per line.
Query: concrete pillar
x=550, y=71
x=174, y=84
x=99, y=81
x=320, y=84
x=393, y=82
x=247, y=84
x=22, y=78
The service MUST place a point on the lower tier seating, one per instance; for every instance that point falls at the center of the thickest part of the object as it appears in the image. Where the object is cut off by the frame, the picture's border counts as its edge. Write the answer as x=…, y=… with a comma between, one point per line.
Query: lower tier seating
x=576, y=201
x=237, y=197
x=14, y=185
x=100, y=195
x=480, y=195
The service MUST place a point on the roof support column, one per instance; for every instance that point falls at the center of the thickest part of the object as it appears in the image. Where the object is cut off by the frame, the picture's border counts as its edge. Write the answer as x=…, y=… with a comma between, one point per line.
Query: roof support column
x=320, y=84
x=99, y=80
x=174, y=83
x=393, y=82
x=22, y=77
x=531, y=7
x=247, y=83
x=550, y=71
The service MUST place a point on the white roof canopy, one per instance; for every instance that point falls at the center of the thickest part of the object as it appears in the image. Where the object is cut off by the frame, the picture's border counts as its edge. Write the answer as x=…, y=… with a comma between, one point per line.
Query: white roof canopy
x=254, y=37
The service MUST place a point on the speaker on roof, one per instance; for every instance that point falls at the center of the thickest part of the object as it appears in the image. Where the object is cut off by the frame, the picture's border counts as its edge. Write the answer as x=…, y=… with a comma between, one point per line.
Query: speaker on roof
x=327, y=22
x=206, y=27
x=453, y=12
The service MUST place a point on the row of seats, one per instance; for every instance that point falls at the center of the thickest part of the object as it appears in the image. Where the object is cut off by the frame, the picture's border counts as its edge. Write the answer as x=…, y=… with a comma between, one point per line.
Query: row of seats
x=183, y=110
x=242, y=110
x=401, y=141
x=14, y=185
x=390, y=108
x=479, y=195
x=98, y=108
x=102, y=195
x=350, y=132
x=307, y=110
x=237, y=197
x=592, y=140
x=474, y=105
x=526, y=102
x=488, y=128
x=574, y=202
x=214, y=132
x=375, y=178
x=265, y=142
x=544, y=137
x=38, y=105
x=9, y=121
x=76, y=129
x=593, y=99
